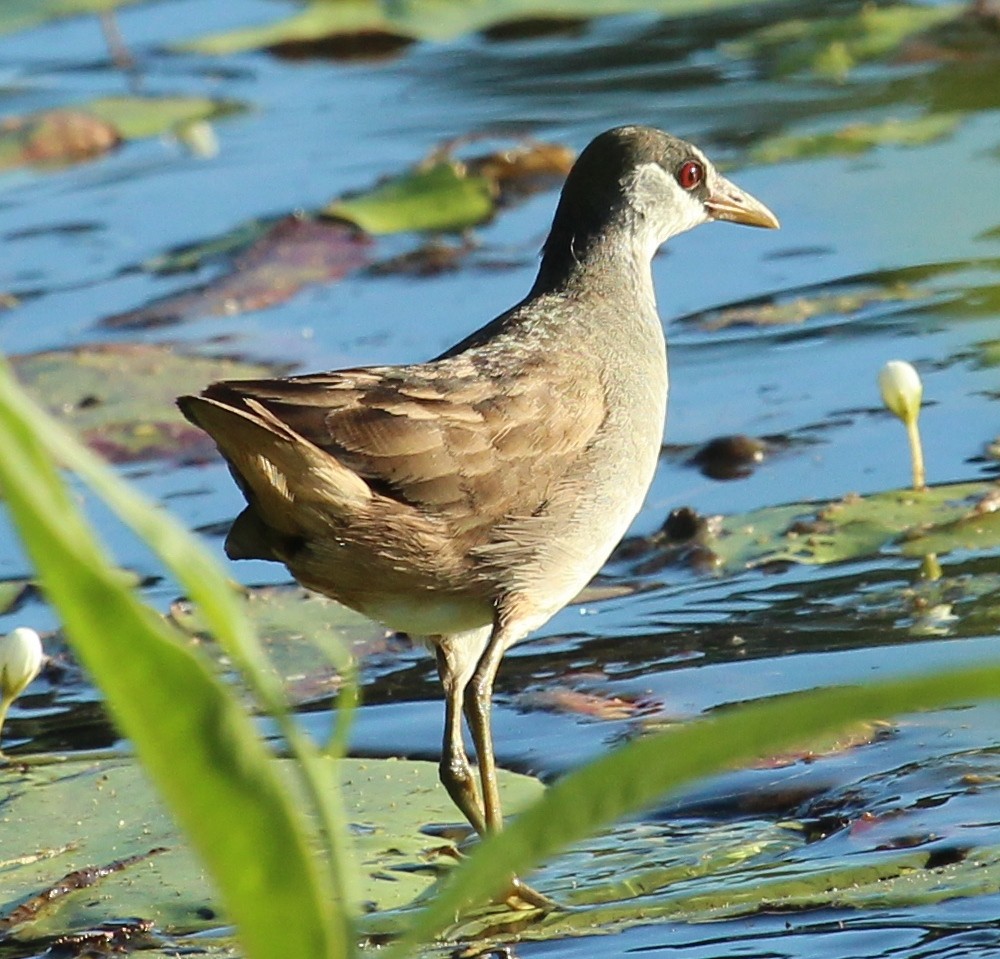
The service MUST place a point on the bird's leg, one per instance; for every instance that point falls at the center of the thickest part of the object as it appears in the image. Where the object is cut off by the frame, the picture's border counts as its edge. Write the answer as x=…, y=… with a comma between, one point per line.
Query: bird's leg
x=455, y=769
x=478, y=713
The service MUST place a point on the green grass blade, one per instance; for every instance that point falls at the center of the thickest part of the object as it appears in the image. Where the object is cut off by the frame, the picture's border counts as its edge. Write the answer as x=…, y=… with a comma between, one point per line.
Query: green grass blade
x=220, y=608
x=635, y=776
x=195, y=741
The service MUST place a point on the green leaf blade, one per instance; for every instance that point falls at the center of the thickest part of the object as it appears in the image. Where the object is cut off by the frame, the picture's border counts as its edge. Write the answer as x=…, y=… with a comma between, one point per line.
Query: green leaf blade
x=196, y=743
x=635, y=776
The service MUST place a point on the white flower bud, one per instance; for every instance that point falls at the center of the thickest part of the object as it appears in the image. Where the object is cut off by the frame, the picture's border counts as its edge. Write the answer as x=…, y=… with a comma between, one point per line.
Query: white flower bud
x=20, y=661
x=901, y=389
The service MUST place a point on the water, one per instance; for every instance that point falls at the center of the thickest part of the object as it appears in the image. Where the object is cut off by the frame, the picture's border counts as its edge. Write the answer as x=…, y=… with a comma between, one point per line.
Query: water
x=74, y=240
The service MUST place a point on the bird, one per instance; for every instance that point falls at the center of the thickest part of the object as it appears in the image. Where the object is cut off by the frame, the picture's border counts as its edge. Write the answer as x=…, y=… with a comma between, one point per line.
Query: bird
x=467, y=499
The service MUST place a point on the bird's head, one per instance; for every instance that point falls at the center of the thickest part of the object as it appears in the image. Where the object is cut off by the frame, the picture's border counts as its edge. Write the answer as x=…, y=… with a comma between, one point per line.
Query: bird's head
x=638, y=186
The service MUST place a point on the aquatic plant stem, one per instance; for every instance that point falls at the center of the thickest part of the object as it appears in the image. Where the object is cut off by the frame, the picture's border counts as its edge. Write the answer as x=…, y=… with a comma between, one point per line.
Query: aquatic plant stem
x=916, y=454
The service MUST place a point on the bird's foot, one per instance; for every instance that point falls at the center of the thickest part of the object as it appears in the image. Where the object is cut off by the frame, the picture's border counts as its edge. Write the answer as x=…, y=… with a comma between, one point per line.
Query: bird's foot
x=522, y=897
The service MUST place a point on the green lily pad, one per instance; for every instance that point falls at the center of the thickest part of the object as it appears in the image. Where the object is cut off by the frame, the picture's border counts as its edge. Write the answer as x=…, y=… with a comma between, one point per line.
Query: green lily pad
x=121, y=396
x=937, y=520
x=856, y=138
x=23, y=14
x=191, y=256
x=440, y=197
x=63, y=817
x=805, y=306
x=314, y=22
x=830, y=47
x=63, y=136
x=299, y=628
x=447, y=193
x=435, y=20
x=12, y=591
x=700, y=870
x=137, y=117
x=950, y=289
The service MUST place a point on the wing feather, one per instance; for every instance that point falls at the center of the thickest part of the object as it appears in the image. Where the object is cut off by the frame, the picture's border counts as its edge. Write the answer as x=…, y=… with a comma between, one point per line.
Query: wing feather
x=445, y=438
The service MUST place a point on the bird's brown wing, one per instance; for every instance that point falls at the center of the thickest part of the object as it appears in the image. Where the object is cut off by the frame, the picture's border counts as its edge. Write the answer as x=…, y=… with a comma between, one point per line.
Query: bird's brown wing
x=450, y=439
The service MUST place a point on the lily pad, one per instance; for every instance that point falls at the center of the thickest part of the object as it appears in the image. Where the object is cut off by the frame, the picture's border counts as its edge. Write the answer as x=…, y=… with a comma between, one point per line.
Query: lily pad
x=694, y=869
x=290, y=254
x=802, y=308
x=831, y=47
x=23, y=14
x=63, y=136
x=54, y=138
x=950, y=289
x=441, y=197
x=64, y=817
x=121, y=396
x=856, y=138
x=191, y=256
x=137, y=117
x=436, y=20
x=524, y=168
x=299, y=628
x=272, y=261
x=937, y=520
x=12, y=592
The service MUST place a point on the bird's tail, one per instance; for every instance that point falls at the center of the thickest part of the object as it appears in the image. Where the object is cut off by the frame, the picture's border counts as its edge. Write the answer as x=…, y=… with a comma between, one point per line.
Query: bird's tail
x=290, y=483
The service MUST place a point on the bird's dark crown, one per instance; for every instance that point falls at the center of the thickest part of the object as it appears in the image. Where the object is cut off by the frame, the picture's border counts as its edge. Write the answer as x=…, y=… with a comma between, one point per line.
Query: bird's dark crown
x=600, y=185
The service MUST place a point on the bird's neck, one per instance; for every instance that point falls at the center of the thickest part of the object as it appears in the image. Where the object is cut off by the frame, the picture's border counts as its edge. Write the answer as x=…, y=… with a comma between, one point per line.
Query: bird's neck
x=613, y=261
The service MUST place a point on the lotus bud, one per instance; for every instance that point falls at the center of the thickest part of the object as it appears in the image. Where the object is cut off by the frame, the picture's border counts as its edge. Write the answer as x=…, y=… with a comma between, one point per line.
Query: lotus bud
x=901, y=388
x=20, y=661
x=902, y=392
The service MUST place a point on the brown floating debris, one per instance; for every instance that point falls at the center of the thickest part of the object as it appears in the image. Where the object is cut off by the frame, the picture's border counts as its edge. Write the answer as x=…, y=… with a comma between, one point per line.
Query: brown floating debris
x=71, y=882
x=55, y=137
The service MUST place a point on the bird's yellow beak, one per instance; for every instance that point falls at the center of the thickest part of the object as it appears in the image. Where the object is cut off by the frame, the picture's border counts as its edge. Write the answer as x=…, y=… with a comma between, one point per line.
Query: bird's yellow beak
x=728, y=202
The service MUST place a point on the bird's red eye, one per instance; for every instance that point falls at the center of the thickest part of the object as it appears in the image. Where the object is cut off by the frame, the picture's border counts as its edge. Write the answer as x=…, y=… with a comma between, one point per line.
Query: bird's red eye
x=690, y=174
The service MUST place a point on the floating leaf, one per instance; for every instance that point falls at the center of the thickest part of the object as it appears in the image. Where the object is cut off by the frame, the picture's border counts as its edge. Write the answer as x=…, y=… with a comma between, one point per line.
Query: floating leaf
x=440, y=197
x=23, y=14
x=138, y=117
x=273, y=261
x=54, y=138
x=120, y=397
x=856, y=138
x=842, y=741
x=12, y=592
x=239, y=815
x=64, y=136
x=636, y=774
x=430, y=20
x=832, y=46
x=800, y=308
x=937, y=520
x=316, y=22
x=296, y=627
x=64, y=817
x=292, y=253
x=950, y=288
x=191, y=256
x=431, y=258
